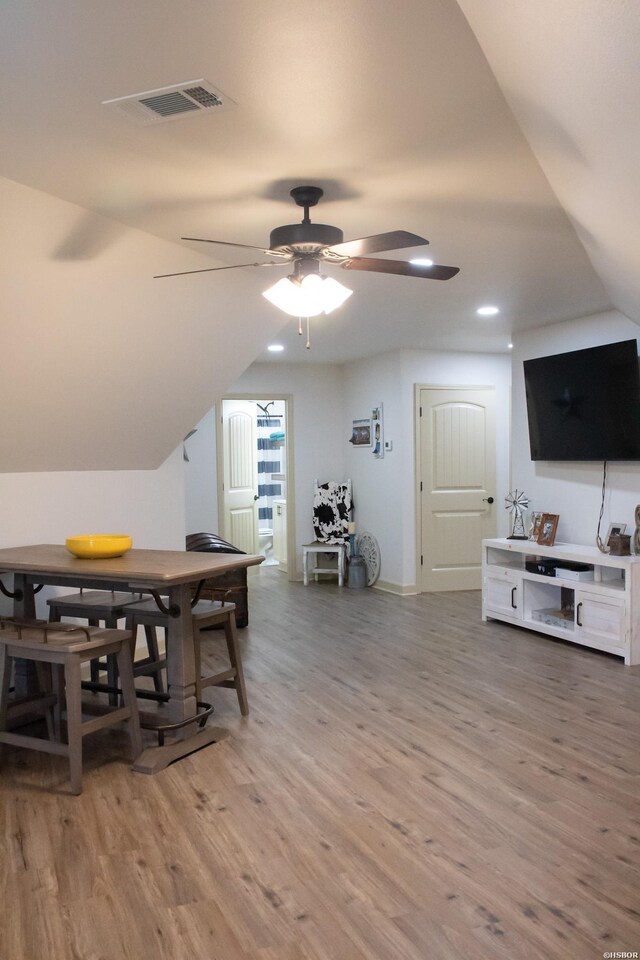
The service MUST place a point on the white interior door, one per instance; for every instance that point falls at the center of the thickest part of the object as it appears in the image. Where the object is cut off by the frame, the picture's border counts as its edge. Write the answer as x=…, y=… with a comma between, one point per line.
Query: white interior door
x=240, y=476
x=457, y=463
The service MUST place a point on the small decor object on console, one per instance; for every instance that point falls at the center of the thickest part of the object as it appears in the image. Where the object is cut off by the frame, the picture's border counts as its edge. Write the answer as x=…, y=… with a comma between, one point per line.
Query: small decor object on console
x=517, y=503
x=615, y=529
x=534, y=528
x=620, y=545
x=548, y=527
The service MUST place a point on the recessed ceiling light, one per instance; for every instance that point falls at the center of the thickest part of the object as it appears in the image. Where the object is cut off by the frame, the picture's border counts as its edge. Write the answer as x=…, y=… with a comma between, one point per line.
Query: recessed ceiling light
x=487, y=311
x=275, y=347
x=421, y=262
x=510, y=345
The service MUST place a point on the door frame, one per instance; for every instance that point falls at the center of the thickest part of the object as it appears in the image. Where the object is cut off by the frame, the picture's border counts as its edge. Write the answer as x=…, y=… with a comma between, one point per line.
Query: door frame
x=417, y=446
x=292, y=570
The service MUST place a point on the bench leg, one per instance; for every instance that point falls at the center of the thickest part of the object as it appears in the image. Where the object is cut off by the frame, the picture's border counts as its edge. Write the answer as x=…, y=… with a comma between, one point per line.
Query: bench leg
x=125, y=668
x=236, y=662
x=5, y=679
x=74, y=720
x=43, y=672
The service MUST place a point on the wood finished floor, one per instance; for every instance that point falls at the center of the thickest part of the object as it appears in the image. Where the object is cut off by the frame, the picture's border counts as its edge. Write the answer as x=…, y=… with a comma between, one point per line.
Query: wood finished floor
x=411, y=784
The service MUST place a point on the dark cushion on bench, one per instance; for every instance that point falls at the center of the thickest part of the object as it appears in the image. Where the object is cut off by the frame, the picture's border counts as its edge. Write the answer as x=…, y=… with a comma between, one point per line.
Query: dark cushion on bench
x=230, y=585
x=210, y=543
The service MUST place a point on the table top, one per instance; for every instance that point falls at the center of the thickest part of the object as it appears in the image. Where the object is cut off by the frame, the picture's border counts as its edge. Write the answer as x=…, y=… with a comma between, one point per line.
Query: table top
x=139, y=566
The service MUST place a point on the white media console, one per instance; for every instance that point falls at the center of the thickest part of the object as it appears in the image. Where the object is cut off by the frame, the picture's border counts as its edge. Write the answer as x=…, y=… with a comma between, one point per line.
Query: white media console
x=599, y=607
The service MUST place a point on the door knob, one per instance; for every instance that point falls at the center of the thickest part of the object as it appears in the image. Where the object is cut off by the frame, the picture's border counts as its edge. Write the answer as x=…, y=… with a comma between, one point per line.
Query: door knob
x=487, y=499
x=256, y=497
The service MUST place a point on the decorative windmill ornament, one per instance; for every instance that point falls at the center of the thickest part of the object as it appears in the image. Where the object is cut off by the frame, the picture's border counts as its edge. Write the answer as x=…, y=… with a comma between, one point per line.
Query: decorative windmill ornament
x=517, y=503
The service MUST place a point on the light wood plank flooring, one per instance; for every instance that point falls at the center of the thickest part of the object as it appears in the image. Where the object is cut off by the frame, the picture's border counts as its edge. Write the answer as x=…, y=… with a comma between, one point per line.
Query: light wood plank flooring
x=411, y=784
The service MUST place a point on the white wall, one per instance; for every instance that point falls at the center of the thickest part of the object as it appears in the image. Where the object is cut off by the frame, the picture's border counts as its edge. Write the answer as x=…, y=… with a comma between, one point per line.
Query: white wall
x=572, y=490
x=385, y=489
x=378, y=485
x=49, y=507
x=201, y=491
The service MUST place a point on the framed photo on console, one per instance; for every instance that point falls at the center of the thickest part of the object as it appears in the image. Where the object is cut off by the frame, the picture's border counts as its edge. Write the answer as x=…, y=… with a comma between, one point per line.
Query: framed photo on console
x=548, y=527
x=615, y=529
x=534, y=530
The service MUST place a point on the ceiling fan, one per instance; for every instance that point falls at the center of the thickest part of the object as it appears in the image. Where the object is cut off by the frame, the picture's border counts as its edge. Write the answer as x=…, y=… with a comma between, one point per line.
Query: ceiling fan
x=307, y=245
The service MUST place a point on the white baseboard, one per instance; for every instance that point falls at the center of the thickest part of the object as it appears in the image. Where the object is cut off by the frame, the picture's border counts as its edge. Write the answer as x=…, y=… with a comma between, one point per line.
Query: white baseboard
x=400, y=589
x=386, y=586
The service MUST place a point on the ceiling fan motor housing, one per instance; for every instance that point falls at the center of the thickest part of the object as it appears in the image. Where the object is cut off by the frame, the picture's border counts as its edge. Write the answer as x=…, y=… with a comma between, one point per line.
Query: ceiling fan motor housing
x=307, y=244
x=304, y=237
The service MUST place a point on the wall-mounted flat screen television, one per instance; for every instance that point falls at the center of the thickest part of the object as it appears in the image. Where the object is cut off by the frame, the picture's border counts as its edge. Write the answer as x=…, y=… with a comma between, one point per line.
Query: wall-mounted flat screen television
x=585, y=405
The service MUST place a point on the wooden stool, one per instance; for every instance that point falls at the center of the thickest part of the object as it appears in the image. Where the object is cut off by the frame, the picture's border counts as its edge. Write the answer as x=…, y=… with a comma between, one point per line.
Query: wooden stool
x=66, y=647
x=206, y=613
x=318, y=546
x=106, y=606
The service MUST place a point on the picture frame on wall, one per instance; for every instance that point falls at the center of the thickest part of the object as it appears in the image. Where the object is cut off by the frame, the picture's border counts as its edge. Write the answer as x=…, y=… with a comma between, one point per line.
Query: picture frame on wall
x=377, y=432
x=548, y=528
x=361, y=433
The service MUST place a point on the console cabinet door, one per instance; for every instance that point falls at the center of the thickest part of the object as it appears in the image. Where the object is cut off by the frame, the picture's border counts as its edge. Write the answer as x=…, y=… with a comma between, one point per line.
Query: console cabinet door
x=600, y=621
x=503, y=594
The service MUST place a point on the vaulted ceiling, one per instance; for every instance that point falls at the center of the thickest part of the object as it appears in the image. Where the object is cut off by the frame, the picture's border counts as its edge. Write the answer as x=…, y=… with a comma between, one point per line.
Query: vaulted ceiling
x=503, y=131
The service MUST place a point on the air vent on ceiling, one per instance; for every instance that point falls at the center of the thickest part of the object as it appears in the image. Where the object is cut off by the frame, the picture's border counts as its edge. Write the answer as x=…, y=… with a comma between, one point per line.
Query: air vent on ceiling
x=172, y=103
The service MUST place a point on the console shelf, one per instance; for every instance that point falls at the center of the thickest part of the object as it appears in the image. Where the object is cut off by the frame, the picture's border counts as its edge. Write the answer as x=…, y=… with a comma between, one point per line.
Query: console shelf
x=602, y=611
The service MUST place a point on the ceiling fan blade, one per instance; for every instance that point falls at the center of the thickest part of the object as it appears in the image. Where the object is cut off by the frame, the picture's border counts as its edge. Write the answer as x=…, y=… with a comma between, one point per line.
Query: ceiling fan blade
x=401, y=267
x=395, y=240
x=242, y=246
x=235, y=266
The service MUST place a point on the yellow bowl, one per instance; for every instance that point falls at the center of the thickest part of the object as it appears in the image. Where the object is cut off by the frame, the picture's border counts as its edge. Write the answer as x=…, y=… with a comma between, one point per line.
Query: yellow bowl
x=96, y=545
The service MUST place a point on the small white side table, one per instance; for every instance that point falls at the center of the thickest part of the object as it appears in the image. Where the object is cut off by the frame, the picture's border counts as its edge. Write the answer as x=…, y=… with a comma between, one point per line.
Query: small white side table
x=319, y=547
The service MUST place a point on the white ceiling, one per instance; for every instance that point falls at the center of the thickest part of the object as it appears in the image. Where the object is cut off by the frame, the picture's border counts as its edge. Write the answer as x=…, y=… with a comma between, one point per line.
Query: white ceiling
x=392, y=108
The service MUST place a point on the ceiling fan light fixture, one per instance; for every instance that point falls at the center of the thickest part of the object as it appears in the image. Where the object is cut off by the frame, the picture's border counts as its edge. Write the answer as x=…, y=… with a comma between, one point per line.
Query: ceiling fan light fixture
x=292, y=299
x=334, y=294
x=308, y=297
x=311, y=286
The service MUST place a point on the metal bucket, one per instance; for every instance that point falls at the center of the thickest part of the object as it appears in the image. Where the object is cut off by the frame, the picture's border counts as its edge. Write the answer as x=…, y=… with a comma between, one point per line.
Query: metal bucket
x=357, y=573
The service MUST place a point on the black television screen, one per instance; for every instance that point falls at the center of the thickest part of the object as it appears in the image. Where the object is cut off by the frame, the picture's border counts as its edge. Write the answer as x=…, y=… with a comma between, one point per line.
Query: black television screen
x=585, y=405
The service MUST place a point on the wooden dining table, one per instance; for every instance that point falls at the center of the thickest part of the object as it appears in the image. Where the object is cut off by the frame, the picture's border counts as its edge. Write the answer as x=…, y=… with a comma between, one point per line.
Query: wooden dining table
x=172, y=576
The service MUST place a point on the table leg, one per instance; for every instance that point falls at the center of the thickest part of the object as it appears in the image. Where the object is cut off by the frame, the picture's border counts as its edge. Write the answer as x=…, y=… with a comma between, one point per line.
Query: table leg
x=181, y=682
x=181, y=668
